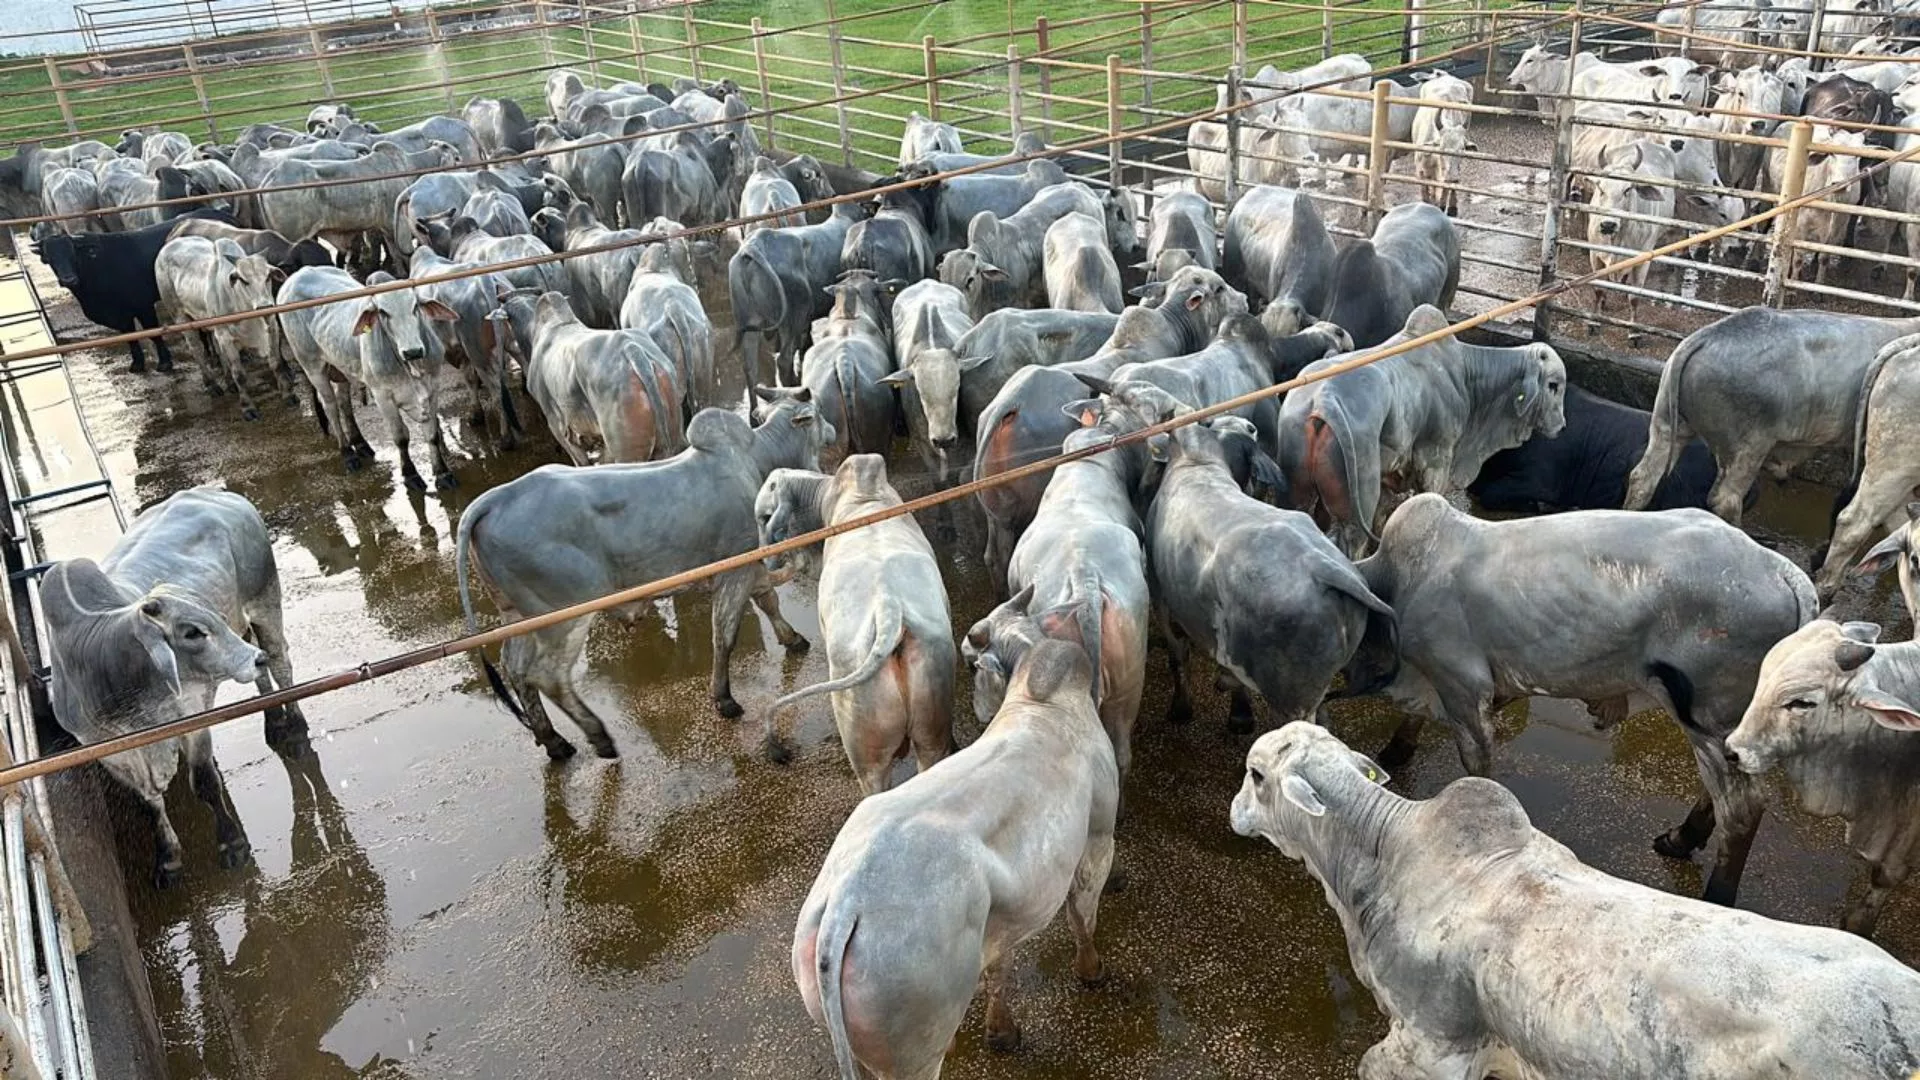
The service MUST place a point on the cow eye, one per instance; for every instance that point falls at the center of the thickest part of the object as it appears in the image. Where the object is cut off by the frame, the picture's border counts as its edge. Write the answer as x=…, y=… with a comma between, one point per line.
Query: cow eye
x=1258, y=776
x=1800, y=704
x=193, y=633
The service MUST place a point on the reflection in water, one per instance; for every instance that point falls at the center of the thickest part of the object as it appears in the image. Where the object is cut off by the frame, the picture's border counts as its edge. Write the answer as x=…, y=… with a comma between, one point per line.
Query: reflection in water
x=309, y=944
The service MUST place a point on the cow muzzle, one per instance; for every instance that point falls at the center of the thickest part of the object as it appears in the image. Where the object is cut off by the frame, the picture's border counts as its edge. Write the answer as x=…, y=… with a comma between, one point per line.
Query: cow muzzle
x=413, y=356
x=945, y=442
x=1608, y=226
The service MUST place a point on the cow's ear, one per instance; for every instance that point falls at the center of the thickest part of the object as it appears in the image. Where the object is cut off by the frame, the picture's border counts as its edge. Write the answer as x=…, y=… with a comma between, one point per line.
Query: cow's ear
x=153, y=637
x=992, y=272
x=1864, y=632
x=1884, y=555
x=1296, y=790
x=899, y=379
x=438, y=312
x=1369, y=768
x=365, y=322
x=968, y=363
x=1085, y=412
x=1888, y=710
x=1021, y=599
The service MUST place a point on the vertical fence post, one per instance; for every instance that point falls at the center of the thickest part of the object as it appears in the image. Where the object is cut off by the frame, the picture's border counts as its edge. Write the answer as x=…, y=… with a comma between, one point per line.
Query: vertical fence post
x=1814, y=26
x=640, y=47
x=586, y=39
x=439, y=46
x=1240, y=33
x=1114, y=125
x=930, y=63
x=1557, y=177
x=320, y=59
x=1691, y=20
x=693, y=42
x=1377, y=154
x=1046, y=77
x=1016, y=105
x=1231, y=190
x=839, y=85
x=60, y=95
x=1490, y=78
x=1792, y=186
x=1146, y=54
x=200, y=90
x=1416, y=31
x=760, y=69
x=1326, y=28
x=546, y=32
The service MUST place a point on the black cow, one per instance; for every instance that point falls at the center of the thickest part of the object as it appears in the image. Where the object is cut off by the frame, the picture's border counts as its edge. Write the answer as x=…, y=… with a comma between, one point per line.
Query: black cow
x=111, y=275
x=1586, y=467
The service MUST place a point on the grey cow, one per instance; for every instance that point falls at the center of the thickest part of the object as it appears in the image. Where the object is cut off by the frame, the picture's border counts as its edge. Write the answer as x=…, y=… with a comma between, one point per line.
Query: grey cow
x=1412, y=259
x=1258, y=588
x=1079, y=271
x=777, y=283
x=1838, y=712
x=663, y=302
x=929, y=321
x=1013, y=338
x=1536, y=964
x=1180, y=232
x=381, y=343
x=1884, y=466
x=1432, y=415
x=883, y=617
x=597, y=281
x=200, y=278
x=1899, y=552
x=930, y=887
x=1762, y=388
x=1003, y=261
x=687, y=181
x=592, y=167
x=613, y=388
x=1277, y=248
x=958, y=200
x=846, y=367
x=150, y=633
x=561, y=535
x=339, y=213
x=1591, y=605
x=921, y=136
x=475, y=342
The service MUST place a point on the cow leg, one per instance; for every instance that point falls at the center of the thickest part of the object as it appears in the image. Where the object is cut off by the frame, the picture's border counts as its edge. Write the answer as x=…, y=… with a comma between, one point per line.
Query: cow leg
x=138, y=355
x=518, y=657
x=1863, y=916
x=1240, y=710
x=230, y=838
x=1729, y=494
x=1090, y=879
x=999, y=554
x=1003, y=1032
x=1407, y=1054
x=1664, y=441
x=768, y=601
x=335, y=409
x=730, y=596
x=1468, y=711
x=1180, y=705
x=286, y=725
x=1879, y=498
x=163, y=358
x=148, y=773
x=1405, y=741
x=1738, y=803
x=557, y=681
x=1681, y=841
x=402, y=440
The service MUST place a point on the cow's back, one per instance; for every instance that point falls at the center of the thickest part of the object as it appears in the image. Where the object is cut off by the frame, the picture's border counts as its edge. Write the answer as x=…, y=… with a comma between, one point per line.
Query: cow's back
x=206, y=541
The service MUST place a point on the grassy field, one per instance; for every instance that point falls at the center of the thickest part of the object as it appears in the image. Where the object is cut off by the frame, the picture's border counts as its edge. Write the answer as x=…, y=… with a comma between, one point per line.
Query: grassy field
x=881, y=45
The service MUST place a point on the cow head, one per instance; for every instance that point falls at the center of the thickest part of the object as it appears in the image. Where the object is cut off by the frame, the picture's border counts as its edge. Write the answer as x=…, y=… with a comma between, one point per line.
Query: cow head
x=1538, y=69
x=1897, y=550
x=935, y=377
x=1541, y=401
x=790, y=432
x=972, y=274
x=1820, y=691
x=188, y=642
x=808, y=178
x=1296, y=776
x=1122, y=219
x=392, y=331
x=252, y=282
x=789, y=505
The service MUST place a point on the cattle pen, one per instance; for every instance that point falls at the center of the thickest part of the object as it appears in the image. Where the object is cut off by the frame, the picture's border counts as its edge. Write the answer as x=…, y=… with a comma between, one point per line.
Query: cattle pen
x=438, y=902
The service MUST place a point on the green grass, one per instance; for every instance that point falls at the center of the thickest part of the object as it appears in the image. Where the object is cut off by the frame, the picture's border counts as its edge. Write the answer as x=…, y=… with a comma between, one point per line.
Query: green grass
x=880, y=48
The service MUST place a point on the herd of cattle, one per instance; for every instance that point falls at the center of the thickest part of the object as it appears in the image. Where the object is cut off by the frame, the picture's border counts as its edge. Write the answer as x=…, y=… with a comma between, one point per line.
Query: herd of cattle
x=1303, y=542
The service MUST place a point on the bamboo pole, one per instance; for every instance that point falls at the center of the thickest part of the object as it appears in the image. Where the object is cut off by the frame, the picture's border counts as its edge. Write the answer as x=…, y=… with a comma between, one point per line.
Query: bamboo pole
x=1146, y=53
x=1326, y=28
x=760, y=69
x=1239, y=34
x=1377, y=154
x=1792, y=185
x=1814, y=26
x=60, y=96
x=586, y=39
x=931, y=64
x=693, y=42
x=200, y=89
x=1231, y=190
x=1046, y=77
x=320, y=60
x=546, y=32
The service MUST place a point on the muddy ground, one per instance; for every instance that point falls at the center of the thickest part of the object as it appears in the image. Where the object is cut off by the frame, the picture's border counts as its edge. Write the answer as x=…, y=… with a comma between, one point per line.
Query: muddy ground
x=433, y=899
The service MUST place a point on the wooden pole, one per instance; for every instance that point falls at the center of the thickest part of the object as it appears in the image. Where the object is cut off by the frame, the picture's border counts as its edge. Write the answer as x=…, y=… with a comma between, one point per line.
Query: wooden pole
x=1016, y=105
x=639, y=48
x=931, y=64
x=1046, y=77
x=1231, y=191
x=1691, y=20
x=1114, y=124
x=320, y=60
x=439, y=45
x=760, y=69
x=1557, y=178
x=1146, y=54
x=1326, y=28
x=586, y=39
x=1814, y=26
x=546, y=32
x=1377, y=154
x=1792, y=186
x=60, y=95
x=200, y=90
x=839, y=85
x=693, y=42
x=1240, y=34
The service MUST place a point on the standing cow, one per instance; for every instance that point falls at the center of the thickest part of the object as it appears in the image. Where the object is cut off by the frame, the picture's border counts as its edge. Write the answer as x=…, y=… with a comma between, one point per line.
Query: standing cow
x=149, y=634
x=930, y=887
x=883, y=616
x=610, y=387
x=1494, y=951
x=201, y=279
x=1278, y=250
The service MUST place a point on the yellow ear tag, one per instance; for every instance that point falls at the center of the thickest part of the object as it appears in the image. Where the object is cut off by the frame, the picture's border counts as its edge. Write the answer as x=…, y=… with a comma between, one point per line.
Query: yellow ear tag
x=1373, y=774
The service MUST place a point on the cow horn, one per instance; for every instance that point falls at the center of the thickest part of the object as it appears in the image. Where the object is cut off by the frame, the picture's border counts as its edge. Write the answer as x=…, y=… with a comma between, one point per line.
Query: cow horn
x=1850, y=654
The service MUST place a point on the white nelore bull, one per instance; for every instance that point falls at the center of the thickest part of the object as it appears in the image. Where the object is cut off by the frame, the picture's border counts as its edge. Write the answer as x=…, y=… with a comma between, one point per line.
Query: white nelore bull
x=199, y=279
x=930, y=886
x=1840, y=714
x=883, y=615
x=1494, y=951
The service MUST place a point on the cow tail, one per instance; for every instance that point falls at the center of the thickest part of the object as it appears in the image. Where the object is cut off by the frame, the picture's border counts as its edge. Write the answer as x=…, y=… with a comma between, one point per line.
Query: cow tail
x=746, y=270
x=1679, y=693
x=1667, y=400
x=1089, y=613
x=463, y=541
x=639, y=368
x=830, y=961
x=889, y=627
x=1872, y=375
x=652, y=192
x=1331, y=466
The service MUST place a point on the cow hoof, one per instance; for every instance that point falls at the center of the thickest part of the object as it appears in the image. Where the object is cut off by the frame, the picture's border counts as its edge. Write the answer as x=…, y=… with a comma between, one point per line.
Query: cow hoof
x=351, y=460
x=137, y=367
x=214, y=390
x=560, y=749
x=728, y=708
x=1117, y=881
x=166, y=877
x=798, y=644
x=445, y=482
x=778, y=751
x=1241, y=724
x=249, y=413
x=414, y=482
x=1004, y=1042
x=1718, y=892
x=236, y=855
x=163, y=366
x=1179, y=711
x=1667, y=844
x=1093, y=980
x=288, y=738
x=508, y=442
x=603, y=747
x=293, y=401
